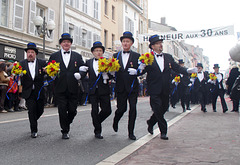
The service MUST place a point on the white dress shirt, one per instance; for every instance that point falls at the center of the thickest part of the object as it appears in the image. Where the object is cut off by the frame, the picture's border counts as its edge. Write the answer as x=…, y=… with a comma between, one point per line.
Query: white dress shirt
x=95, y=66
x=125, y=57
x=219, y=78
x=200, y=76
x=160, y=61
x=66, y=57
x=32, y=68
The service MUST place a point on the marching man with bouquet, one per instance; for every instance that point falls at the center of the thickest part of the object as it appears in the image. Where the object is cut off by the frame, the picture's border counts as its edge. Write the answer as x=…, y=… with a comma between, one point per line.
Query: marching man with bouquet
x=99, y=92
x=32, y=81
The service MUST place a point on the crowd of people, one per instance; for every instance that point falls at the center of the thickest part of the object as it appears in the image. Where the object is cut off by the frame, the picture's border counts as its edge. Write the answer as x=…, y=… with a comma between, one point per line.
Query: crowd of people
x=79, y=82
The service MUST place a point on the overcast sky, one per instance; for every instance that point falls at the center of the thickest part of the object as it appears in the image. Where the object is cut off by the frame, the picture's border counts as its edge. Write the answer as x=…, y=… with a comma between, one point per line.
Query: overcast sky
x=193, y=15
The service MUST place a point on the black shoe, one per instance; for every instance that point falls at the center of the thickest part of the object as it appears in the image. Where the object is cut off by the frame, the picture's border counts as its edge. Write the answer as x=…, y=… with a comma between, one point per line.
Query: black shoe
x=233, y=110
x=204, y=110
x=115, y=126
x=164, y=137
x=188, y=108
x=34, y=134
x=150, y=128
x=214, y=110
x=184, y=110
x=65, y=136
x=98, y=136
x=132, y=137
x=225, y=110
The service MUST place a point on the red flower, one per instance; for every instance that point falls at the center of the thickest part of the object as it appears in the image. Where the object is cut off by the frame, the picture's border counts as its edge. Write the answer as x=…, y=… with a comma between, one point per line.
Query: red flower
x=152, y=53
x=101, y=57
x=14, y=64
x=52, y=69
x=53, y=61
x=142, y=54
x=13, y=71
x=142, y=61
x=147, y=55
x=102, y=63
x=20, y=67
x=110, y=64
x=113, y=60
x=49, y=63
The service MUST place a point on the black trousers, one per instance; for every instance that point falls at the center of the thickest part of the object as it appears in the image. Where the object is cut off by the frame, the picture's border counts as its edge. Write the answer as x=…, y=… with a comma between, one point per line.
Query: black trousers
x=202, y=96
x=99, y=117
x=159, y=104
x=67, y=109
x=122, y=98
x=235, y=105
x=35, y=110
x=220, y=93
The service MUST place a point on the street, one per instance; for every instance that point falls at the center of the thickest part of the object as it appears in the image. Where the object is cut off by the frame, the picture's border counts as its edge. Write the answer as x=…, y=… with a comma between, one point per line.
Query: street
x=17, y=147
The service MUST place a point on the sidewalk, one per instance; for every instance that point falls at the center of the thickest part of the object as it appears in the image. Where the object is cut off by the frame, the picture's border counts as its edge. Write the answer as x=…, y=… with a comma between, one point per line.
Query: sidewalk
x=197, y=139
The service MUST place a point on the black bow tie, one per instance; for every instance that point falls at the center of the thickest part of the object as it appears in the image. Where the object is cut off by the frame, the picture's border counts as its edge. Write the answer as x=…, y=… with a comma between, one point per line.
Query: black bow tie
x=199, y=72
x=95, y=59
x=159, y=55
x=30, y=61
x=126, y=51
x=66, y=52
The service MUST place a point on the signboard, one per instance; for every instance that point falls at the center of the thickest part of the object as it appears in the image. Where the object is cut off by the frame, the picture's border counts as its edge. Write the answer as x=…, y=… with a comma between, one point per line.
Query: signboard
x=11, y=53
x=204, y=33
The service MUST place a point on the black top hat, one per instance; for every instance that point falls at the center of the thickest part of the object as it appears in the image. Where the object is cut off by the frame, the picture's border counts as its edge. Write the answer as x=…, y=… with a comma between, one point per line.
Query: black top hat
x=97, y=44
x=154, y=39
x=127, y=34
x=199, y=65
x=216, y=66
x=32, y=46
x=180, y=61
x=65, y=36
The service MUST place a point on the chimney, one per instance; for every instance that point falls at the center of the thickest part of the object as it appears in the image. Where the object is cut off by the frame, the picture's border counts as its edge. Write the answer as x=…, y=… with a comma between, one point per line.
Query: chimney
x=163, y=20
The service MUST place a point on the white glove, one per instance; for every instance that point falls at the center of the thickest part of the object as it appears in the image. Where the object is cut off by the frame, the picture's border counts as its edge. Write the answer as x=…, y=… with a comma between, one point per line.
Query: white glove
x=105, y=77
x=132, y=71
x=53, y=77
x=142, y=66
x=210, y=81
x=176, y=83
x=189, y=84
x=77, y=76
x=83, y=68
x=45, y=83
x=192, y=70
x=235, y=52
x=112, y=73
x=173, y=81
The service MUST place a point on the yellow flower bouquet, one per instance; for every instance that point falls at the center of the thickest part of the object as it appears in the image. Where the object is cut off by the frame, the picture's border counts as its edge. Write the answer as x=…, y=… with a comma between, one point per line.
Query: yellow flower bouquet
x=177, y=79
x=113, y=65
x=193, y=75
x=17, y=70
x=147, y=58
x=212, y=76
x=53, y=68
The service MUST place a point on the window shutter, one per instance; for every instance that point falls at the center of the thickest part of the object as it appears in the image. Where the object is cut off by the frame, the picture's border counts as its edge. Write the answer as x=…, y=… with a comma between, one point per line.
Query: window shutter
x=80, y=36
x=126, y=23
x=51, y=16
x=32, y=15
x=132, y=27
x=18, y=14
x=95, y=37
x=76, y=35
x=66, y=27
x=89, y=39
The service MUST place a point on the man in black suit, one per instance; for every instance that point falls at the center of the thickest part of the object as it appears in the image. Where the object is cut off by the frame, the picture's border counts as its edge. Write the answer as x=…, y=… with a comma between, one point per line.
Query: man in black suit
x=200, y=86
x=99, y=94
x=127, y=73
x=66, y=84
x=218, y=90
x=158, y=80
x=184, y=93
x=32, y=82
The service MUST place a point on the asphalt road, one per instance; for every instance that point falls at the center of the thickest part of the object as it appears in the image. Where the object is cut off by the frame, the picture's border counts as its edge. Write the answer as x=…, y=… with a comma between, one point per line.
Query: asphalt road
x=18, y=148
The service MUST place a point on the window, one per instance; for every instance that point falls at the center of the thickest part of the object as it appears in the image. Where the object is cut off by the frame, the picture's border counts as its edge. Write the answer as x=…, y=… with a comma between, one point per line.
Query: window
x=113, y=13
x=105, y=7
x=84, y=37
x=18, y=14
x=84, y=6
x=135, y=15
x=126, y=8
x=105, y=38
x=95, y=9
x=40, y=11
x=129, y=25
x=4, y=12
x=113, y=39
x=32, y=15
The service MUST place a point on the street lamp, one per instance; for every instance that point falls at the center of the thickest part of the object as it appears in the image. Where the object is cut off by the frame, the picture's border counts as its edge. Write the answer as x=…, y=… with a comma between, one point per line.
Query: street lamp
x=44, y=28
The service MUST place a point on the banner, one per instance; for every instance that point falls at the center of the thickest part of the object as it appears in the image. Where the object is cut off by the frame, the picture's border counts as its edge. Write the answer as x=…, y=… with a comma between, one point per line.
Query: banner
x=204, y=33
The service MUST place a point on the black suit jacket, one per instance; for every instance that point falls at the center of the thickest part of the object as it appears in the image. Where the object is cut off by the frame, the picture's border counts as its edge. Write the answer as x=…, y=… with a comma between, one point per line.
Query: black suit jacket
x=66, y=80
x=159, y=81
x=123, y=79
x=103, y=89
x=202, y=86
x=27, y=81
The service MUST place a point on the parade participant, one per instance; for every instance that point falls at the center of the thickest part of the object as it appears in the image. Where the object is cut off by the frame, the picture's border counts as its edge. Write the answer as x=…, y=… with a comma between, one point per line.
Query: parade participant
x=31, y=83
x=66, y=84
x=200, y=87
x=4, y=80
x=99, y=94
x=218, y=90
x=158, y=80
x=183, y=88
x=128, y=60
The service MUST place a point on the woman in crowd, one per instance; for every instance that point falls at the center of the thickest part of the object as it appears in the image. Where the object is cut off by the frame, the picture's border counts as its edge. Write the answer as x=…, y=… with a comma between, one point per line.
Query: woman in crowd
x=4, y=79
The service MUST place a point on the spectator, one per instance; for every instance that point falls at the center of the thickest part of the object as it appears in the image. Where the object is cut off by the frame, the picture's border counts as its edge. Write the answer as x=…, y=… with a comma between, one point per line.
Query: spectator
x=4, y=79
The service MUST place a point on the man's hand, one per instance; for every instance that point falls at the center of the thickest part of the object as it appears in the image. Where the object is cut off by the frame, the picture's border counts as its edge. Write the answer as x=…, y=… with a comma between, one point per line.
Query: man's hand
x=132, y=71
x=142, y=66
x=83, y=68
x=77, y=76
x=105, y=77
